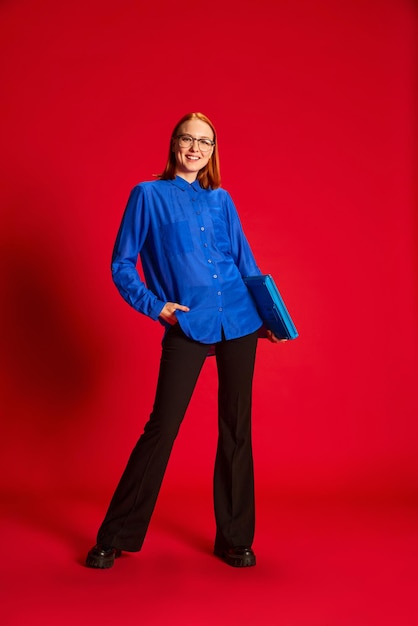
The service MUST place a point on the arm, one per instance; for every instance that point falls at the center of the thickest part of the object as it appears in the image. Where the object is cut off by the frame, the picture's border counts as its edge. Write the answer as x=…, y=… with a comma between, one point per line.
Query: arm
x=129, y=242
x=242, y=253
x=240, y=248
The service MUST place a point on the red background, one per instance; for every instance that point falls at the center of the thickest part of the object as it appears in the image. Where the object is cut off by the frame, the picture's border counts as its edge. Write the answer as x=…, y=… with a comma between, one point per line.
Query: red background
x=315, y=108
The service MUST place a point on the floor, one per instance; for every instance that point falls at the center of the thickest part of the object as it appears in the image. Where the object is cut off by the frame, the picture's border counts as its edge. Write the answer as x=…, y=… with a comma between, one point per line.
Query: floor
x=320, y=562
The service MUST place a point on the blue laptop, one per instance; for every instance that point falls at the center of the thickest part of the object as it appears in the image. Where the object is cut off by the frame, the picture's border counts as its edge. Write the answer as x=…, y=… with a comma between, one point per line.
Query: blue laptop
x=271, y=307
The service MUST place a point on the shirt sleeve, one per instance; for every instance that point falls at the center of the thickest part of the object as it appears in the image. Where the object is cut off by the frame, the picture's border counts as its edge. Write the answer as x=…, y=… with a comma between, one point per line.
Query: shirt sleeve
x=240, y=248
x=130, y=239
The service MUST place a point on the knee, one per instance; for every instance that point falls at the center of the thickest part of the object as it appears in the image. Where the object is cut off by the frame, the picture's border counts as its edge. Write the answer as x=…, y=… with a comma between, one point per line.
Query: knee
x=162, y=428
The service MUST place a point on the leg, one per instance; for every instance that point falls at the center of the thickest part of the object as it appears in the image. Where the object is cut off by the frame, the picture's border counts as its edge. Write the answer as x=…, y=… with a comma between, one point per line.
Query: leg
x=234, y=478
x=131, y=507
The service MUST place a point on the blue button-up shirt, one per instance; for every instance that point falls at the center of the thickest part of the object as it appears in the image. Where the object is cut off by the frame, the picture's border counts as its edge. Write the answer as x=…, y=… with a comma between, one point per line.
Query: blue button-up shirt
x=193, y=251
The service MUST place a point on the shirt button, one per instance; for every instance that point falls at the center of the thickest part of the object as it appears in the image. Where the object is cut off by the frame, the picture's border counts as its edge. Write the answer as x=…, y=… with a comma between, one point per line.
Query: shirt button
x=209, y=260
x=202, y=228
x=205, y=245
x=220, y=308
x=219, y=293
x=215, y=276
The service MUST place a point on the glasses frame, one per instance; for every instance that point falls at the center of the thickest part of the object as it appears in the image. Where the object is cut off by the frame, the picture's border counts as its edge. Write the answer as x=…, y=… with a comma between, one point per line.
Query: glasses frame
x=198, y=140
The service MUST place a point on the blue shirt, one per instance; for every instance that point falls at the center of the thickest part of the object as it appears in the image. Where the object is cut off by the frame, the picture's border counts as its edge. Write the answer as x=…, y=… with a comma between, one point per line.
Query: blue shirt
x=193, y=251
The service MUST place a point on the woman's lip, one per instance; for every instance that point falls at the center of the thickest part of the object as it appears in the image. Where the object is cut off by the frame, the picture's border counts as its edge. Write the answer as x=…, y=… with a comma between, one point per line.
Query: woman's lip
x=194, y=157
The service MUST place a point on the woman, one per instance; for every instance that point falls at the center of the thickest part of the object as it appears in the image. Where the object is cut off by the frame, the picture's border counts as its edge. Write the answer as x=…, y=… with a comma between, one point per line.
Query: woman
x=194, y=255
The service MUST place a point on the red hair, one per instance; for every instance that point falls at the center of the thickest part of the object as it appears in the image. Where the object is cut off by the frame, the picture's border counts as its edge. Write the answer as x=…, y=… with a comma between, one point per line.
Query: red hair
x=210, y=175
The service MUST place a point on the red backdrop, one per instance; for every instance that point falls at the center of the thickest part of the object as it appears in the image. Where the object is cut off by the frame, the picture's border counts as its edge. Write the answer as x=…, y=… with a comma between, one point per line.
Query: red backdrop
x=314, y=103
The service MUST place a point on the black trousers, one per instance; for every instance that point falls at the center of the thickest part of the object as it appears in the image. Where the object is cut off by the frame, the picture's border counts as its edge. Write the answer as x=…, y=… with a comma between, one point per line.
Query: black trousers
x=127, y=519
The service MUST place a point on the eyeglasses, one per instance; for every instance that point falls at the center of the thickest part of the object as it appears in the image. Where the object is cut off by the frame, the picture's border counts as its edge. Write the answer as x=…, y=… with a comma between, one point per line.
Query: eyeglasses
x=186, y=141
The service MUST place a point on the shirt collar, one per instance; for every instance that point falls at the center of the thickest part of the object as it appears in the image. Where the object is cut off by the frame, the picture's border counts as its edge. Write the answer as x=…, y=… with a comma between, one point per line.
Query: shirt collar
x=181, y=183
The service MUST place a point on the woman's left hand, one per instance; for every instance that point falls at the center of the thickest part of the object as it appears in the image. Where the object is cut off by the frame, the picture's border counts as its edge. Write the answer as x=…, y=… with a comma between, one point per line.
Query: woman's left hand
x=272, y=337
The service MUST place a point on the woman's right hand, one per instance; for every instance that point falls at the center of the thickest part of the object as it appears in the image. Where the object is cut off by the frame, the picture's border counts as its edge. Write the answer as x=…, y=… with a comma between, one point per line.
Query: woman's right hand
x=168, y=313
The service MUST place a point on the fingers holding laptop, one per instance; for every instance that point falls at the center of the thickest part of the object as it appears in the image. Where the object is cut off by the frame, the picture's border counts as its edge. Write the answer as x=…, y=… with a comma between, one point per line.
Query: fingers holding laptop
x=272, y=337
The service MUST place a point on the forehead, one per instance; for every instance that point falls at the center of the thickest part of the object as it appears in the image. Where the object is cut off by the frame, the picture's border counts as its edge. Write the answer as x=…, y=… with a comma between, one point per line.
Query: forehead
x=197, y=128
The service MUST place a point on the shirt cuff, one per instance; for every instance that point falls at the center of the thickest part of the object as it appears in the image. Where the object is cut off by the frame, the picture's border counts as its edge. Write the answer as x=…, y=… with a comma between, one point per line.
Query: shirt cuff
x=156, y=309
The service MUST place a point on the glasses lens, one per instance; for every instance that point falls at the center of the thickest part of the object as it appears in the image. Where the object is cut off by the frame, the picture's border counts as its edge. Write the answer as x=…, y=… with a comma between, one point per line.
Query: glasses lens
x=205, y=145
x=186, y=141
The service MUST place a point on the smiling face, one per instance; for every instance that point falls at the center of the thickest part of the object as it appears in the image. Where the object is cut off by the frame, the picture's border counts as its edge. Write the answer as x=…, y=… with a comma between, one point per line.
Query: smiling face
x=189, y=161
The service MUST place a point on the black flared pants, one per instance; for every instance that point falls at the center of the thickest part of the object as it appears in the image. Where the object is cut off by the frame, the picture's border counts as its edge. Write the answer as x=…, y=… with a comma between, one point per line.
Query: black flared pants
x=133, y=502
